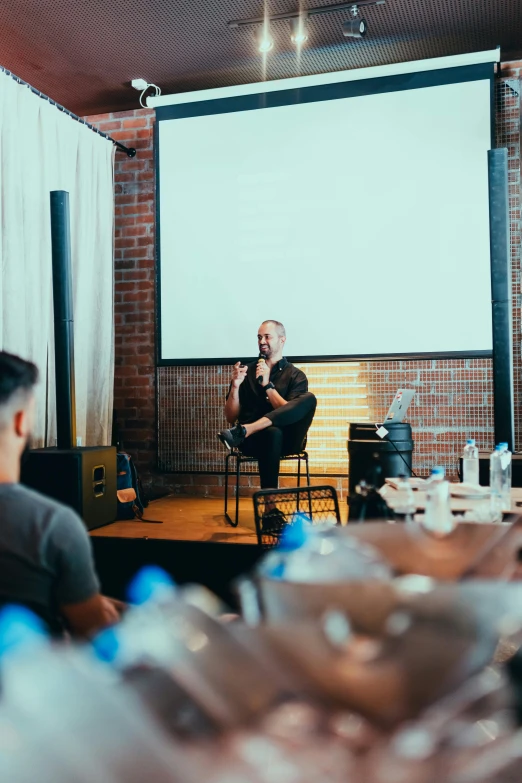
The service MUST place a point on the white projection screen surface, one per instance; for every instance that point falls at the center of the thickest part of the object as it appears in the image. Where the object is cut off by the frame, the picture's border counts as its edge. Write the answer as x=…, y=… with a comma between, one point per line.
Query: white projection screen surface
x=360, y=222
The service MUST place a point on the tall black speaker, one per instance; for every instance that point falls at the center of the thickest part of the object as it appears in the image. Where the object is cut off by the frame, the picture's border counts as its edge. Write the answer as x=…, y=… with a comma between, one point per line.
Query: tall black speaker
x=84, y=479
x=63, y=320
x=501, y=297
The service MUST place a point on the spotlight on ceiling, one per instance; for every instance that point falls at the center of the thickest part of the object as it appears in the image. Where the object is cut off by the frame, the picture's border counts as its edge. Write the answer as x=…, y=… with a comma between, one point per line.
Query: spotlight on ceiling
x=354, y=27
x=299, y=29
x=265, y=42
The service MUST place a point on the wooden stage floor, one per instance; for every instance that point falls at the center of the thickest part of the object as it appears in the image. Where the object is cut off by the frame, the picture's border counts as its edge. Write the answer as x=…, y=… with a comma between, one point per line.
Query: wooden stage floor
x=187, y=519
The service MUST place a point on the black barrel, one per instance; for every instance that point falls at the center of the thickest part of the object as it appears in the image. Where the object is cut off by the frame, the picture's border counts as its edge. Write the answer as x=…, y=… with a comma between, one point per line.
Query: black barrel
x=394, y=451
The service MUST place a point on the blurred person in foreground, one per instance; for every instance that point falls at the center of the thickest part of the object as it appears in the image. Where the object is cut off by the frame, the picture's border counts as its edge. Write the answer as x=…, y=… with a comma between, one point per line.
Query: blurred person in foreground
x=46, y=561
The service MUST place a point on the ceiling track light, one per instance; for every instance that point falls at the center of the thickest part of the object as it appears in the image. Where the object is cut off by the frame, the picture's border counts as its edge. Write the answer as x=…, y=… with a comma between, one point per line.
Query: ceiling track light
x=264, y=39
x=299, y=29
x=353, y=28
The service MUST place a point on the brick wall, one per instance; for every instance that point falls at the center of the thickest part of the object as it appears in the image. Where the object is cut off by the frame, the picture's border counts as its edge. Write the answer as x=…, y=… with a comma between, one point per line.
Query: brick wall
x=134, y=282
x=454, y=399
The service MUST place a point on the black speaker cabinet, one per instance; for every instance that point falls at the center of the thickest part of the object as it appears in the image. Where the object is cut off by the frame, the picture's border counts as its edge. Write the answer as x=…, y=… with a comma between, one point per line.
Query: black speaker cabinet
x=83, y=478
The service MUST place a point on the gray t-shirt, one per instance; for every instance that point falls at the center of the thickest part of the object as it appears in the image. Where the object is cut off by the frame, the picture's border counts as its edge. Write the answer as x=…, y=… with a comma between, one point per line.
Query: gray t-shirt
x=45, y=554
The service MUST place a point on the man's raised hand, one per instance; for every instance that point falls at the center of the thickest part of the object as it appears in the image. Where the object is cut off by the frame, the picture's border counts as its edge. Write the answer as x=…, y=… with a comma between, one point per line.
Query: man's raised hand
x=238, y=374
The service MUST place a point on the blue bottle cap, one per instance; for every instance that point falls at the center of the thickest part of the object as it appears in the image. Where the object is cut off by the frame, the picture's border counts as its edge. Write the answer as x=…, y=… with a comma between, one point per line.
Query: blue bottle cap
x=295, y=534
x=151, y=583
x=471, y=441
x=106, y=645
x=276, y=570
x=19, y=627
x=438, y=470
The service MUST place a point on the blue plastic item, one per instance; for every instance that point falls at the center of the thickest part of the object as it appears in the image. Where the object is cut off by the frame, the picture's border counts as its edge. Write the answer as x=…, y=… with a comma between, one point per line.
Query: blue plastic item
x=19, y=627
x=149, y=584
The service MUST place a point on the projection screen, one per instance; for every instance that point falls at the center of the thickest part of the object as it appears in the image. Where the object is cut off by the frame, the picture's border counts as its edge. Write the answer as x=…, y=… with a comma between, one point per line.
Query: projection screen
x=354, y=211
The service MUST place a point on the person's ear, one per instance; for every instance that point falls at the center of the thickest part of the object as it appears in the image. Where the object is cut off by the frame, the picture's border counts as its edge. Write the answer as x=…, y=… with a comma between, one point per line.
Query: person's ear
x=21, y=423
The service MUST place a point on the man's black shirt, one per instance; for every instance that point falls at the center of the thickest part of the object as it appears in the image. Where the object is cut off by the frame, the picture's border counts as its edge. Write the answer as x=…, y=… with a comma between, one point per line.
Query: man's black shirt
x=289, y=382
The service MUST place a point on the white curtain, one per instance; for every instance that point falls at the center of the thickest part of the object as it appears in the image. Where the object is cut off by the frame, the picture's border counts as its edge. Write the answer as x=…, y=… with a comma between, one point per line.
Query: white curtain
x=42, y=149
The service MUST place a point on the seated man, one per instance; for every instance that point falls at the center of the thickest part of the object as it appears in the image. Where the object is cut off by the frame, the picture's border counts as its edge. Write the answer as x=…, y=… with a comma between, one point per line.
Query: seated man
x=46, y=560
x=270, y=400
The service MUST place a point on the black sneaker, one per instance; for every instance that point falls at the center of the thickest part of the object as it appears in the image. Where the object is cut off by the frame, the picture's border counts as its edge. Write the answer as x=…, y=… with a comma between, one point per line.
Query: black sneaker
x=273, y=522
x=232, y=438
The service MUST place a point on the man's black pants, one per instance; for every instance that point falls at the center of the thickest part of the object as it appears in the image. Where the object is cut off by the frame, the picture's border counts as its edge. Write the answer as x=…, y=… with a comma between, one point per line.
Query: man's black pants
x=290, y=423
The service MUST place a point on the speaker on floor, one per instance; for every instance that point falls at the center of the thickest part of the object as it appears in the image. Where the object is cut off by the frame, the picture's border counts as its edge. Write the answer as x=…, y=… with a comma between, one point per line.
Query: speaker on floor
x=82, y=478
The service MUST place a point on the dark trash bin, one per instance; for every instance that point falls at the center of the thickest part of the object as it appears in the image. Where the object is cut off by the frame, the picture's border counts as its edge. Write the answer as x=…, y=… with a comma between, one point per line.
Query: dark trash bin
x=394, y=451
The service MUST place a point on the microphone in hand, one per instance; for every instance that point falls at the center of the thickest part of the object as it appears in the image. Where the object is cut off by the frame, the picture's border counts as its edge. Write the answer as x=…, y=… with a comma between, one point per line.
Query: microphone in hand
x=260, y=378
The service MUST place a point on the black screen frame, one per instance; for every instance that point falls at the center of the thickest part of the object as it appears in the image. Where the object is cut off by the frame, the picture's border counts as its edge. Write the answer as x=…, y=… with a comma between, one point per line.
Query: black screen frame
x=312, y=94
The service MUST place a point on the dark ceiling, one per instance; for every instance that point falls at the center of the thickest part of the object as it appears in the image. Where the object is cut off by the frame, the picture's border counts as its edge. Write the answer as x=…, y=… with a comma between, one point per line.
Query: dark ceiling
x=83, y=53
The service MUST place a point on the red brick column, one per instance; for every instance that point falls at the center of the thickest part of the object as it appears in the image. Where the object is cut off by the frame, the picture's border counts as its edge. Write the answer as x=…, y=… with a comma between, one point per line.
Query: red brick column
x=134, y=271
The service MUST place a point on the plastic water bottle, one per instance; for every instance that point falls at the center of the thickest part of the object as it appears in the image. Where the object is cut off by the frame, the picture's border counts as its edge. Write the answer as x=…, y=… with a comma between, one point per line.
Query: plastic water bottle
x=171, y=652
x=470, y=463
x=437, y=516
x=505, y=463
x=51, y=691
x=495, y=483
x=404, y=505
x=325, y=554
